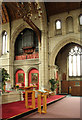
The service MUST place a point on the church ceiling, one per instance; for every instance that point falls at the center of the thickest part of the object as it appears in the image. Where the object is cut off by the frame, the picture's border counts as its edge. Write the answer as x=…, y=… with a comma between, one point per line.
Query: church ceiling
x=53, y=8
x=9, y=9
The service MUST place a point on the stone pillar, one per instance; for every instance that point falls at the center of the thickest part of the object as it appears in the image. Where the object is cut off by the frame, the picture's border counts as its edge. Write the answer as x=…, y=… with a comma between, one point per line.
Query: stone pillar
x=43, y=62
x=64, y=27
x=46, y=61
x=52, y=68
x=40, y=69
x=12, y=75
x=43, y=51
x=67, y=68
x=59, y=83
x=26, y=80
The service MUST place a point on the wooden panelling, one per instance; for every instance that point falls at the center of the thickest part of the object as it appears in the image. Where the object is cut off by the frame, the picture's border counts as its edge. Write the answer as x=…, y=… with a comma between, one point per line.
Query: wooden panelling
x=64, y=86
x=76, y=91
x=72, y=87
x=29, y=56
x=51, y=8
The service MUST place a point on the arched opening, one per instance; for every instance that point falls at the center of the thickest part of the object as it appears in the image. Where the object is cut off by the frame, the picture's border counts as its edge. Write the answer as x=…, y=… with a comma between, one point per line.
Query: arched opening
x=20, y=78
x=4, y=42
x=62, y=62
x=69, y=24
x=75, y=61
x=80, y=22
x=26, y=45
x=58, y=27
x=33, y=77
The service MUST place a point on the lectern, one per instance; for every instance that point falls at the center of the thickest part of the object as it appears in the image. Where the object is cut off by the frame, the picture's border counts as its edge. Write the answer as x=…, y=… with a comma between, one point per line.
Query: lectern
x=42, y=94
x=27, y=91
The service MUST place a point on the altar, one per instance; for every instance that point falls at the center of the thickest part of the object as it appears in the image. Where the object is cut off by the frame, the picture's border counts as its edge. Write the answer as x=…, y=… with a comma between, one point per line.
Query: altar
x=13, y=96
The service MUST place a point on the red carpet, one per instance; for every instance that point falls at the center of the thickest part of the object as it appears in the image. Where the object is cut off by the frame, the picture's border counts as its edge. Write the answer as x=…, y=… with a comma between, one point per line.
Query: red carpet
x=13, y=109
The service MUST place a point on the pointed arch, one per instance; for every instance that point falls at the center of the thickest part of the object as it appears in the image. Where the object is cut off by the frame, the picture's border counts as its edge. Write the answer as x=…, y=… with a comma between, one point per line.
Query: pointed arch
x=59, y=46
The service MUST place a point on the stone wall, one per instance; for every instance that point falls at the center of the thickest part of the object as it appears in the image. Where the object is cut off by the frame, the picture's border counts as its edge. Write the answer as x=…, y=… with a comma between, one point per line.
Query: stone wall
x=57, y=42
x=50, y=45
x=8, y=62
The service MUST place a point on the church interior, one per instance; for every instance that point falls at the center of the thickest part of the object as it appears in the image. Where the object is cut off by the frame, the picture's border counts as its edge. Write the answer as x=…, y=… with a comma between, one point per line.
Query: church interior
x=40, y=50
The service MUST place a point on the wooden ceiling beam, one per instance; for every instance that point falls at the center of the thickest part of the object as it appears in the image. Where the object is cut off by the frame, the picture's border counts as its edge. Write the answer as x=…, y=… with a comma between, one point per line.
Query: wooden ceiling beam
x=26, y=19
x=5, y=17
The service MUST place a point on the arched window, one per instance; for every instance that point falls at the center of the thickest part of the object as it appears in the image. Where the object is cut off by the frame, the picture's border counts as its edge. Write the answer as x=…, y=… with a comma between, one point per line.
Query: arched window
x=75, y=61
x=58, y=24
x=69, y=24
x=58, y=27
x=4, y=42
x=80, y=20
x=27, y=38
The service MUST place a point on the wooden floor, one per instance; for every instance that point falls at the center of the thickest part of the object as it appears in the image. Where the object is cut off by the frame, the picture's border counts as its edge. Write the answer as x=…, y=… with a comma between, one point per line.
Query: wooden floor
x=69, y=107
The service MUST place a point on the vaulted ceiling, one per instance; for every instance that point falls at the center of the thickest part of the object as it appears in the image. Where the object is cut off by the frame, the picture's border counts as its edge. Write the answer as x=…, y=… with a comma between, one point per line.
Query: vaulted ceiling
x=9, y=9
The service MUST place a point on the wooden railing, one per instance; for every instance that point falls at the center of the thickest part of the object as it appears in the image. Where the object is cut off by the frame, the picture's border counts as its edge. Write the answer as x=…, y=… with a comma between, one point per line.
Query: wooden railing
x=29, y=56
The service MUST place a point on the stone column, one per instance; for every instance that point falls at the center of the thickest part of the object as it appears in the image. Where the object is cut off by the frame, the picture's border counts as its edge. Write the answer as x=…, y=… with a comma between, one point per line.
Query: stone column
x=67, y=68
x=46, y=61
x=43, y=62
x=52, y=68
x=26, y=80
x=12, y=75
x=59, y=83
x=40, y=69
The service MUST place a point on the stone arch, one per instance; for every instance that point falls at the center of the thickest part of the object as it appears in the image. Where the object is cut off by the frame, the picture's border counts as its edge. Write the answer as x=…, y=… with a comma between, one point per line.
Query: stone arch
x=14, y=36
x=69, y=24
x=18, y=69
x=31, y=72
x=24, y=25
x=43, y=27
x=60, y=45
x=16, y=75
x=17, y=31
x=30, y=68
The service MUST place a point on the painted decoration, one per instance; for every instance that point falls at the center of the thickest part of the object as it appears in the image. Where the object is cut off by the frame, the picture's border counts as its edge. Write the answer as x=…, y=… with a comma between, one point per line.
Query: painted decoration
x=20, y=77
x=34, y=77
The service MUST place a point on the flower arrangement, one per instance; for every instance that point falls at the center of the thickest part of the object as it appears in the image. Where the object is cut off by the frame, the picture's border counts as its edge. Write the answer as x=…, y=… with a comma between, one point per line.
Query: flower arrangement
x=4, y=76
x=17, y=86
x=53, y=83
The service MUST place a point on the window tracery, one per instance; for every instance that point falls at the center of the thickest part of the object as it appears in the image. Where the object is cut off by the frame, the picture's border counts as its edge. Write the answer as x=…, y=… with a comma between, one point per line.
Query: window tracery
x=75, y=61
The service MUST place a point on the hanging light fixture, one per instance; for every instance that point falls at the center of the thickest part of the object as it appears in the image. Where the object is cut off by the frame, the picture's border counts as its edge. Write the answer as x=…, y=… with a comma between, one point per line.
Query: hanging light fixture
x=27, y=9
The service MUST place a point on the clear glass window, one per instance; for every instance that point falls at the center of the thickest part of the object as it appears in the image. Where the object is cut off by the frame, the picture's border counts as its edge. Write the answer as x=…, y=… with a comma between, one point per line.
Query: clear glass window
x=4, y=43
x=75, y=61
x=58, y=24
x=80, y=19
